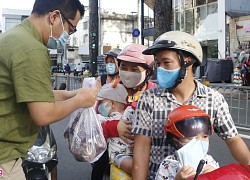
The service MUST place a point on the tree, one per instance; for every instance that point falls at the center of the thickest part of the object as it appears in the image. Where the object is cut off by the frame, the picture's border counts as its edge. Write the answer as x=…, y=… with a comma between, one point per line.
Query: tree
x=163, y=16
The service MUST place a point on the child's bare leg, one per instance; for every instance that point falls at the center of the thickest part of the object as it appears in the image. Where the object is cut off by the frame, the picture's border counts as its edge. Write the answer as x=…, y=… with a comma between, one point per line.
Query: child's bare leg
x=124, y=162
x=126, y=165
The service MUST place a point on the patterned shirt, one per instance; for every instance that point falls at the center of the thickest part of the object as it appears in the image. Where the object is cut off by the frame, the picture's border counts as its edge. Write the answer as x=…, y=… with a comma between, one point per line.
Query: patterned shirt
x=170, y=166
x=154, y=106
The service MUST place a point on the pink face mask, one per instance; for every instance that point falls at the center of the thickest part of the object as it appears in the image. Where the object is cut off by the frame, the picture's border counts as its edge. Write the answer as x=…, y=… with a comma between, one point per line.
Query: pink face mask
x=132, y=79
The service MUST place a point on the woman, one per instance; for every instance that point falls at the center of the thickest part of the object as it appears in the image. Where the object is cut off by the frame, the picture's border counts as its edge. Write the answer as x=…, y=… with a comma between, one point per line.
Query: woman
x=111, y=67
x=134, y=71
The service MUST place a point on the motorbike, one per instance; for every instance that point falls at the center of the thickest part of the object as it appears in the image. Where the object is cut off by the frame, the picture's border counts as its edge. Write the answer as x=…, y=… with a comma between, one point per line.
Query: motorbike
x=230, y=171
x=42, y=156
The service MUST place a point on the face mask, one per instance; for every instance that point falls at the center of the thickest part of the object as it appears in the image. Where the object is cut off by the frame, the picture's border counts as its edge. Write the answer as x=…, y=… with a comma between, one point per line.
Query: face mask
x=103, y=110
x=59, y=43
x=110, y=68
x=132, y=79
x=167, y=78
x=192, y=152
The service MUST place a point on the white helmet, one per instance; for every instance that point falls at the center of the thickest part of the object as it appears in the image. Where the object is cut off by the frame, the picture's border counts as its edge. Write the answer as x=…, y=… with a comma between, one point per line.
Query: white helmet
x=176, y=40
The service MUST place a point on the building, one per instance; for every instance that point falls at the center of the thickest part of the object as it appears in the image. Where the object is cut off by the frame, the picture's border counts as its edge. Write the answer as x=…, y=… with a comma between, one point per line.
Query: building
x=212, y=22
x=115, y=31
x=209, y=21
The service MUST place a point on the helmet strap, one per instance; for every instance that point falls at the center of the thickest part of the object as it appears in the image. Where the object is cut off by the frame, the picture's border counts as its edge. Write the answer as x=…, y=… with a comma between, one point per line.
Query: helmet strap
x=183, y=70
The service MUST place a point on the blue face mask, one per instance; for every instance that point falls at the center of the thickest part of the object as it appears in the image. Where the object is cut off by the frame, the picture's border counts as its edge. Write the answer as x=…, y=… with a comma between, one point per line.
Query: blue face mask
x=110, y=68
x=103, y=110
x=167, y=78
x=59, y=43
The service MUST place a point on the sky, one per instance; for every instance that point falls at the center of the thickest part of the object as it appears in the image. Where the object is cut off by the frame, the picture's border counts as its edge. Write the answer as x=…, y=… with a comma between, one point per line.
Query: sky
x=120, y=6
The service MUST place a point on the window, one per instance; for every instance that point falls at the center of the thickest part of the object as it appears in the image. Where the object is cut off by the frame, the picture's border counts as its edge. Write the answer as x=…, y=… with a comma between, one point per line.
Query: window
x=9, y=23
x=85, y=25
x=200, y=2
x=189, y=21
x=212, y=8
x=200, y=13
x=210, y=1
x=188, y=4
x=179, y=21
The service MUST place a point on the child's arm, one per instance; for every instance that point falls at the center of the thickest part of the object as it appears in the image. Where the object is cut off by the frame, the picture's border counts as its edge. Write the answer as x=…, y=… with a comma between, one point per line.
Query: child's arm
x=211, y=164
x=185, y=173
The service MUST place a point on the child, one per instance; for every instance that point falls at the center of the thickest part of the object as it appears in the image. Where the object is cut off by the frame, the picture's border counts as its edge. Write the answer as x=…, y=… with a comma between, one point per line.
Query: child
x=113, y=98
x=189, y=129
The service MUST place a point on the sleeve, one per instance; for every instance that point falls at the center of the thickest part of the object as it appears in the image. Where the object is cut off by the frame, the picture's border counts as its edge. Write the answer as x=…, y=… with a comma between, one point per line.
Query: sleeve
x=110, y=129
x=32, y=77
x=223, y=122
x=143, y=119
x=167, y=169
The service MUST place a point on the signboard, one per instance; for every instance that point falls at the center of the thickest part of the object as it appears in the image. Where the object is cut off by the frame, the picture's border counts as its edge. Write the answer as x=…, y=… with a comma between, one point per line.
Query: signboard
x=136, y=32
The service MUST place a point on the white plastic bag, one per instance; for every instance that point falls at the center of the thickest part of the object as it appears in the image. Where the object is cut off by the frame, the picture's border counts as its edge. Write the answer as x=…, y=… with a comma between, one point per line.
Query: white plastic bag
x=84, y=132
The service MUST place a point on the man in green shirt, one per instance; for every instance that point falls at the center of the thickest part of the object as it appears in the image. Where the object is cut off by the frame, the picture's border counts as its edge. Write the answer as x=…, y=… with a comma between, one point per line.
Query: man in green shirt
x=26, y=97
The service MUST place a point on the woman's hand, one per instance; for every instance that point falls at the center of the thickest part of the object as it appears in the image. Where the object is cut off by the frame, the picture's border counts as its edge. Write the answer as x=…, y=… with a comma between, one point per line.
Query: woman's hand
x=124, y=130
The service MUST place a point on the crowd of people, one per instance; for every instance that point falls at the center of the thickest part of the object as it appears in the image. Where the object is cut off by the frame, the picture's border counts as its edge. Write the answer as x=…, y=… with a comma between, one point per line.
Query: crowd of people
x=147, y=126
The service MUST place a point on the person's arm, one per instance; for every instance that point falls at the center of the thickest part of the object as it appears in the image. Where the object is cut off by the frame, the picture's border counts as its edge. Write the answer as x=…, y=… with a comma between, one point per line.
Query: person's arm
x=141, y=157
x=61, y=95
x=239, y=150
x=110, y=129
x=44, y=113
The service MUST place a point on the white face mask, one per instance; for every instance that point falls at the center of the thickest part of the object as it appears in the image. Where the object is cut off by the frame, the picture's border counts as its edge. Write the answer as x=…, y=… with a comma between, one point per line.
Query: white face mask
x=191, y=153
x=132, y=79
x=54, y=43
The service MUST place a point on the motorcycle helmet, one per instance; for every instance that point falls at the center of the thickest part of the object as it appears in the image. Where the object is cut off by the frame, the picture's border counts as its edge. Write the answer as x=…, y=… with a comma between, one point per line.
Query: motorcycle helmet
x=113, y=52
x=183, y=43
x=188, y=121
x=133, y=53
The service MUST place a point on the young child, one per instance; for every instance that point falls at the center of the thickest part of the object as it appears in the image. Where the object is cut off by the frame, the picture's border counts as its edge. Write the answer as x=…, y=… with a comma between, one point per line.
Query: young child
x=188, y=129
x=113, y=98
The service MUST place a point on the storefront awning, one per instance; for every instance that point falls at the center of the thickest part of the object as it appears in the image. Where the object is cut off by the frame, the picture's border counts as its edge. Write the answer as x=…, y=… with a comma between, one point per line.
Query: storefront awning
x=208, y=29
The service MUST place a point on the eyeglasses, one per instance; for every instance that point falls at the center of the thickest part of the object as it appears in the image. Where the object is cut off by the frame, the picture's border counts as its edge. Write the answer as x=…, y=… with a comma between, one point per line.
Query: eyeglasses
x=73, y=28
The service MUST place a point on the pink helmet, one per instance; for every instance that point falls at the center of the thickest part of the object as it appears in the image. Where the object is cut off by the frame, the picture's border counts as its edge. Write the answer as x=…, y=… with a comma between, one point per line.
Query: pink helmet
x=133, y=53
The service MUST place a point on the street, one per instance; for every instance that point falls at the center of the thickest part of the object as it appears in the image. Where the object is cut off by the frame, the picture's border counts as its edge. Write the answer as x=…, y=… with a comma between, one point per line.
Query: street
x=70, y=169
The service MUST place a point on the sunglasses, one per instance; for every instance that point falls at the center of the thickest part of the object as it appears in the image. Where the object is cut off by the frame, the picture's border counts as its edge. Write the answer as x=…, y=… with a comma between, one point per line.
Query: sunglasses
x=73, y=28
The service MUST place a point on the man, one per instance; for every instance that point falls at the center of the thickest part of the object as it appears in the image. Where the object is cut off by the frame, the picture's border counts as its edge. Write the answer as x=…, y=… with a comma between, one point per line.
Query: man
x=26, y=97
x=177, y=55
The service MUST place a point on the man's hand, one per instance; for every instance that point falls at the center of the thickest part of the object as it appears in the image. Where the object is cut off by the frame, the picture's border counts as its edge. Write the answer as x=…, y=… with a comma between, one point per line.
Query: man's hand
x=185, y=173
x=124, y=130
x=87, y=96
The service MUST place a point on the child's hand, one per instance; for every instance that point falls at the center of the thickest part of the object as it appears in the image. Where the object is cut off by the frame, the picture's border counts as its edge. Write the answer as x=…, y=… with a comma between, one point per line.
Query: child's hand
x=185, y=173
x=207, y=168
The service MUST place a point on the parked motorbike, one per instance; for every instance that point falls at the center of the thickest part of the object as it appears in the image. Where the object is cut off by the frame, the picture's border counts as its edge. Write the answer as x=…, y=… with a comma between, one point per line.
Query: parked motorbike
x=42, y=156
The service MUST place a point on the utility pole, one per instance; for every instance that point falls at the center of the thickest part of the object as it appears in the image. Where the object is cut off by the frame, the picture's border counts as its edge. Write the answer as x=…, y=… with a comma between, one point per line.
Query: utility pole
x=93, y=35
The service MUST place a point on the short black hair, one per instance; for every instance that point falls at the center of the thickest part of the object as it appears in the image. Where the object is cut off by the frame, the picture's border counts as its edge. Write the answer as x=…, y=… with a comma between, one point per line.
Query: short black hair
x=67, y=7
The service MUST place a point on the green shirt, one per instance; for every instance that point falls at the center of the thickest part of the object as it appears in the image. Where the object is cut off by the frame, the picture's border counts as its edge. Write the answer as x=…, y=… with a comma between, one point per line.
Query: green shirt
x=24, y=77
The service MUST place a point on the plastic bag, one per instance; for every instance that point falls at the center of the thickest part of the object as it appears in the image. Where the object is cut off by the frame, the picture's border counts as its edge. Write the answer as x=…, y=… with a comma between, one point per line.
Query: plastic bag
x=84, y=132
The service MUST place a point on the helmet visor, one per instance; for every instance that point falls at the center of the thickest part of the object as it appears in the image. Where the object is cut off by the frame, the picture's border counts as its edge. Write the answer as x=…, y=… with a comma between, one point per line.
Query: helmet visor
x=191, y=127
